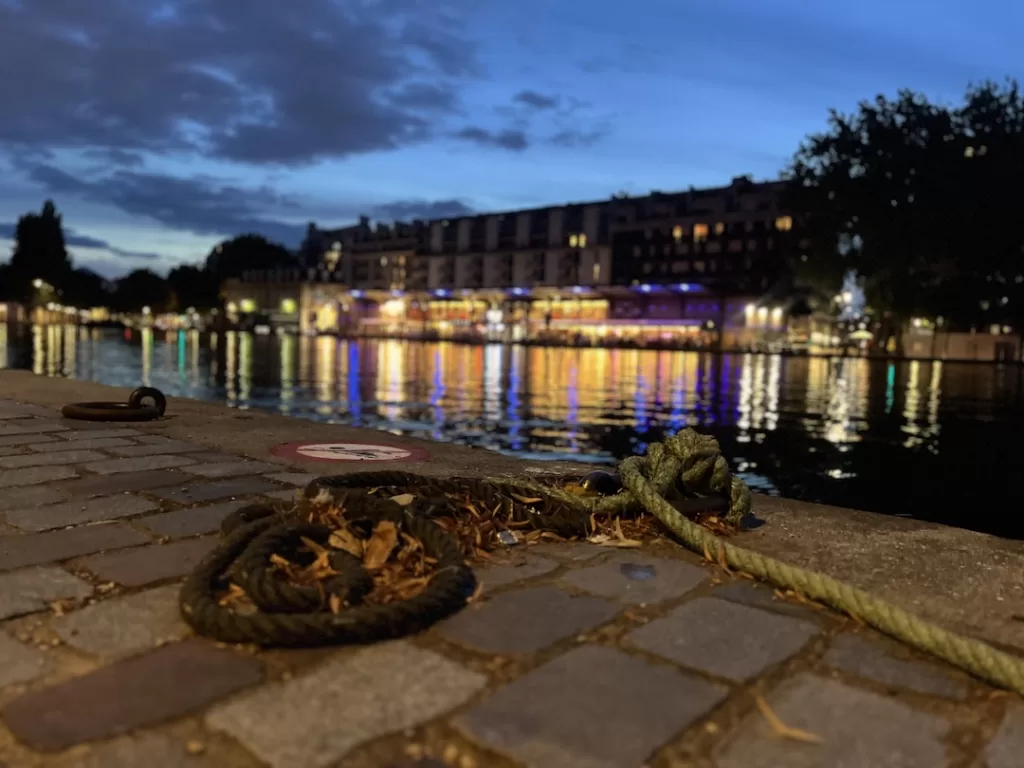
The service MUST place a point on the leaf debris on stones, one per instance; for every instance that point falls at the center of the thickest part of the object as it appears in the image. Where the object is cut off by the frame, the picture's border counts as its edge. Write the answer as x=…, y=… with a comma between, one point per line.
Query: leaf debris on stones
x=398, y=564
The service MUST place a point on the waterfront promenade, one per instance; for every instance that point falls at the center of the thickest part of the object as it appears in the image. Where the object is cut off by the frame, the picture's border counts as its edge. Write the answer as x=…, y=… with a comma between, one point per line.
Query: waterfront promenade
x=573, y=655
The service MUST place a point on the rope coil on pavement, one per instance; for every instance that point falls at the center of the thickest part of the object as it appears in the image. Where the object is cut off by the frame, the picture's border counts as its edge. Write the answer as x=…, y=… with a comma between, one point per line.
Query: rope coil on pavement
x=686, y=465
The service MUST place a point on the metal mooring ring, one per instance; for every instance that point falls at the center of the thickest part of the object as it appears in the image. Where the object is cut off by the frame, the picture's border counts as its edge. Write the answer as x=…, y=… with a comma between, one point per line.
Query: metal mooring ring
x=133, y=410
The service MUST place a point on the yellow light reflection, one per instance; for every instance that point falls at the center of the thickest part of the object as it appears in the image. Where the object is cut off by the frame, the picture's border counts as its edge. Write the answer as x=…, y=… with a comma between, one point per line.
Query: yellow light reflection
x=245, y=342
x=147, y=355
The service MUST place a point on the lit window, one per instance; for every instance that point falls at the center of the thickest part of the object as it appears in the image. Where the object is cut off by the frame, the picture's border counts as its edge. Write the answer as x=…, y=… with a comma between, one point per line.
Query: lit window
x=677, y=232
x=573, y=241
x=597, y=273
x=288, y=306
x=583, y=240
x=247, y=305
x=698, y=266
x=700, y=232
x=719, y=228
x=784, y=223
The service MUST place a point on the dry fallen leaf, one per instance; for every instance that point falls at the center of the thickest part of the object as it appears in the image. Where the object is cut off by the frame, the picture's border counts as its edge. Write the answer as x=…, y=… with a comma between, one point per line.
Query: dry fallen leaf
x=346, y=541
x=783, y=730
x=404, y=499
x=380, y=545
x=526, y=499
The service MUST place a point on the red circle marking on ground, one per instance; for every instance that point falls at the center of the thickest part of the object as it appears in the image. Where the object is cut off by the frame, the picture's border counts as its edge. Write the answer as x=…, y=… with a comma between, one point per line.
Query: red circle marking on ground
x=371, y=452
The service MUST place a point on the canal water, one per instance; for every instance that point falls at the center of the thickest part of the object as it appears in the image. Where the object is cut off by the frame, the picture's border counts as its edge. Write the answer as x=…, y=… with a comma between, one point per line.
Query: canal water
x=930, y=440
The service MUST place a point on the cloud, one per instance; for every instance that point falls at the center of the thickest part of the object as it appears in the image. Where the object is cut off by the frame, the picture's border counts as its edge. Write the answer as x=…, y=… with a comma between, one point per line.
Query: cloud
x=508, y=138
x=209, y=206
x=255, y=81
x=75, y=239
x=406, y=210
x=536, y=100
x=575, y=139
x=201, y=204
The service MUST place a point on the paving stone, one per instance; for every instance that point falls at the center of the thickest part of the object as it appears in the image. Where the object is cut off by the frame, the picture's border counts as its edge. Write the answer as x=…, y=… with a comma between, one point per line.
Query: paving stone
x=724, y=639
x=12, y=409
x=30, y=496
x=860, y=657
x=32, y=589
x=568, y=551
x=142, y=749
x=514, y=567
x=229, y=468
x=86, y=443
x=99, y=432
x=1007, y=746
x=637, y=578
x=222, y=489
x=30, y=427
x=858, y=729
x=298, y=479
x=136, y=464
x=80, y=511
x=31, y=439
x=191, y=522
x=166, y=684
x=124, y=625
x=287, y=495
x=104, y=485
x=152, y=445
x=49, y=459
x=53, y=546
x=591, y=708
x=145, y=565
x=748, y=593
x=207, y=456
x=383, y=689
x=34, y=475
x=526, y=620
x=18, y=662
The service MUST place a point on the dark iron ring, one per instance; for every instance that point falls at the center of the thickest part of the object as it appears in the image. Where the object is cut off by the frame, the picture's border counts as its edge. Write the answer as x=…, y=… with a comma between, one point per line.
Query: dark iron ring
x=133, y=410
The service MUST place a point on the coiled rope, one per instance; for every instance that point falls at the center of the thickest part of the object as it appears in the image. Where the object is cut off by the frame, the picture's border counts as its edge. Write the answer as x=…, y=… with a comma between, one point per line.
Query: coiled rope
x=685, y=465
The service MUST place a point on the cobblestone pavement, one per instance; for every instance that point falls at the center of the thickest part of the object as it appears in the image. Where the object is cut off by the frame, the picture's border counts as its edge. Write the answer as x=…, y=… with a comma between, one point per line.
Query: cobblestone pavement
x=576, y=656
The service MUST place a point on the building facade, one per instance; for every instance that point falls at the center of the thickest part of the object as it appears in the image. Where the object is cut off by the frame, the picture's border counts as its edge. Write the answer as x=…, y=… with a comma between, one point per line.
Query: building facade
x=681, y=266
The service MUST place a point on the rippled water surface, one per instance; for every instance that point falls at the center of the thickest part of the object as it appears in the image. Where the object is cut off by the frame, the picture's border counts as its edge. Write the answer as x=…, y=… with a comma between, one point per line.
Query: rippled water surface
x=936, y=441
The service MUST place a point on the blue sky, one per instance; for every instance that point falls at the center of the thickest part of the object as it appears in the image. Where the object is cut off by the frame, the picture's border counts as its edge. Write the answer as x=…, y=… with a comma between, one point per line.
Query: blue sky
x=162, y=126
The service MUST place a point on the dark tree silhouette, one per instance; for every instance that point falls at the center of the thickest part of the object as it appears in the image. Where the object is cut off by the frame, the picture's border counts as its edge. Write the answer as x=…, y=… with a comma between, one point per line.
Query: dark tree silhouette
x=84, y=289
x=193, y=286
x=917, y=198
x=233, y=257
x=39, y=254
x=141, y=288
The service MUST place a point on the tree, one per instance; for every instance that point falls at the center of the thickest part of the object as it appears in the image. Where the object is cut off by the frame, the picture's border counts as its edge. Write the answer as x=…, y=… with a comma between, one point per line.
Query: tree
x=916, y=198
x=233, y=257
x=39, y=254
x=192, y=286
x=141, y=288
x=85, y=289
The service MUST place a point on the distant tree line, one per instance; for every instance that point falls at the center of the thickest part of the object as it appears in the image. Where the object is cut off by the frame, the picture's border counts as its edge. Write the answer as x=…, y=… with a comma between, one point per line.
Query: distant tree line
x=924, y=201
x=40, y=271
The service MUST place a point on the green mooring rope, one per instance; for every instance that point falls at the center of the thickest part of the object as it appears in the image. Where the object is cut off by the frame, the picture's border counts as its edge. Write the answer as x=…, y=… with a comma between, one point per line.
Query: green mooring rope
x=697, y=459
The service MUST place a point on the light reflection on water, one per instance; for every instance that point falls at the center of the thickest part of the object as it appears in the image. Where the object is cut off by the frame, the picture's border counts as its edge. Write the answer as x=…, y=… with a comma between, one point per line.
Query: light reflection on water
x=930, y=440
